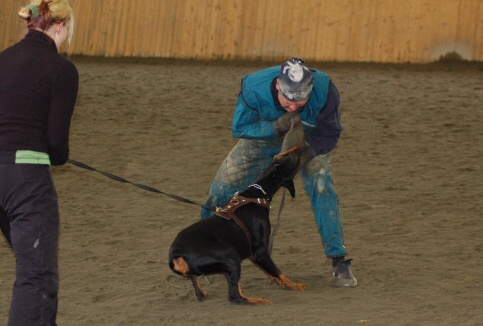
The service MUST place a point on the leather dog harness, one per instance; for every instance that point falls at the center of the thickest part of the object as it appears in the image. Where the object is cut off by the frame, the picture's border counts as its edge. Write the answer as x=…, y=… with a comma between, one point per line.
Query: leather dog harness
x=228, y=211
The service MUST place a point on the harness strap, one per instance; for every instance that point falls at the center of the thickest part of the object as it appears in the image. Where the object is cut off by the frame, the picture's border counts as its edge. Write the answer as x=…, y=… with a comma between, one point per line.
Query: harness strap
x=228, y=211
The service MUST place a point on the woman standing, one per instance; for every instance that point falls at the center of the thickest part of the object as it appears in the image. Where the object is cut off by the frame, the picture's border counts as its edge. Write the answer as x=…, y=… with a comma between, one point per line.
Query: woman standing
x=38, y=91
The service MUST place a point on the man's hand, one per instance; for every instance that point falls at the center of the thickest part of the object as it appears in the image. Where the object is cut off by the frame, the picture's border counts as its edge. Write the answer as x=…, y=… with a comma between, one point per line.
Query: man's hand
x=282, y=125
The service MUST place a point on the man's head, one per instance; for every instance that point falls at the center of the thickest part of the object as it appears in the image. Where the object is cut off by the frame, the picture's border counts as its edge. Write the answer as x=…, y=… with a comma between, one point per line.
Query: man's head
x=295, y=80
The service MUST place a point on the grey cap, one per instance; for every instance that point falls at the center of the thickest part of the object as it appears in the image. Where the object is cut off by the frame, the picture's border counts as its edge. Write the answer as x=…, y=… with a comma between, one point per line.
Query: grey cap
x=295, y=80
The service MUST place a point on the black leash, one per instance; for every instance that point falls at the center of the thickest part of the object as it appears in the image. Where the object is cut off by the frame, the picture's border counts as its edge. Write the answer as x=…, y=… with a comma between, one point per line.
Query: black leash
x=115, y=177
x=178, y=198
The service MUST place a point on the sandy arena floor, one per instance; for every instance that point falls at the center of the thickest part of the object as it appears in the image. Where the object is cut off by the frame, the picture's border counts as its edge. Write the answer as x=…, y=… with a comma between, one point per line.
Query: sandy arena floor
x=408, y=170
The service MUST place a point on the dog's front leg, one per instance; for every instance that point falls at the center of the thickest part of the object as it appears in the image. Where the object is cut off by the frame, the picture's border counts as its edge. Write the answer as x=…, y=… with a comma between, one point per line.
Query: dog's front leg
x=266, y=264
x=235, y=294
x=284, y=281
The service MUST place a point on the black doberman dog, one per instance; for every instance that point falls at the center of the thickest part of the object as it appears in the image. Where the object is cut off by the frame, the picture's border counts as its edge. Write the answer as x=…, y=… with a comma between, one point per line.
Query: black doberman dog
x=239, y=230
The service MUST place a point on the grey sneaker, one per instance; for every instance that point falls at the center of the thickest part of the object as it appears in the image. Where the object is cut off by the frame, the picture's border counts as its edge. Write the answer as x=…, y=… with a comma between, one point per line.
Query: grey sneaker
x=342, y=274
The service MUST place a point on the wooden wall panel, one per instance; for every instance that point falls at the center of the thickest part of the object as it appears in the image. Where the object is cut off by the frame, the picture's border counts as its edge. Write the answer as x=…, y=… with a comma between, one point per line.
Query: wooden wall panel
x=316, y=30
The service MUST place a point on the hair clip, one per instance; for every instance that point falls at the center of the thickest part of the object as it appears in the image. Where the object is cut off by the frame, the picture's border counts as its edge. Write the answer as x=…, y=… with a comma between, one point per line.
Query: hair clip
x=34, y=9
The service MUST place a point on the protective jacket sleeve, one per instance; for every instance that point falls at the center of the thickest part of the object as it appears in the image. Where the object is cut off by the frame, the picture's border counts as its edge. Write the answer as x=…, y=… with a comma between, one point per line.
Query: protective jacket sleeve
x=324, y=137
x=248, y=124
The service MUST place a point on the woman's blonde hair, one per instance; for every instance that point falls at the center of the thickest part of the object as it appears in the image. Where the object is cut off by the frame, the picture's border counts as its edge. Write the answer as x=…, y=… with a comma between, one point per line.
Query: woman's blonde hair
x=43, y=13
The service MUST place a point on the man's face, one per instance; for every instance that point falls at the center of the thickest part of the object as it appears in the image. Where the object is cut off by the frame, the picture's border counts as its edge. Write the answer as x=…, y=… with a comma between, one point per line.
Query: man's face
x=290, y=106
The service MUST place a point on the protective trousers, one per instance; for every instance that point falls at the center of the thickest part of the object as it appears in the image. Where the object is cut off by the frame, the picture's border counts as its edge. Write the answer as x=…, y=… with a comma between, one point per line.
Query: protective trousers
x=29, y=220
x=249, y=158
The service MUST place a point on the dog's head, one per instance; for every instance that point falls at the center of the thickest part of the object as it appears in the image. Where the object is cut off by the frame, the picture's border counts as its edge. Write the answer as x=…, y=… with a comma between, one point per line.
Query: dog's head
x=288, y=163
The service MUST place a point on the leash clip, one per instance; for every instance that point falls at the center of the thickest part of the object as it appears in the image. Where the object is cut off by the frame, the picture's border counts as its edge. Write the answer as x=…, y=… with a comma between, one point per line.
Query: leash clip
x=258, y=187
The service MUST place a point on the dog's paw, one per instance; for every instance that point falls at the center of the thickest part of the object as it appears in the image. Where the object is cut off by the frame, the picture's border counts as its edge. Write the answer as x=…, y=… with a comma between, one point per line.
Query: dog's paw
x=298, y=286
x=201, y=295
x=247, y=300
x=258, y=300
x=283, y=280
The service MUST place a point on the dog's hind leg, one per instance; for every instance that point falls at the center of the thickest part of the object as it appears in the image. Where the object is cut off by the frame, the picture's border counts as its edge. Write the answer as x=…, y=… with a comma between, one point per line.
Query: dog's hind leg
x=180, y=266
x=200, y=294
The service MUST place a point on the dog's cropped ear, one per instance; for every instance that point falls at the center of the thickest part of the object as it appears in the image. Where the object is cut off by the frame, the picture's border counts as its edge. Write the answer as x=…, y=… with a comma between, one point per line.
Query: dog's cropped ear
x=288, y=184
